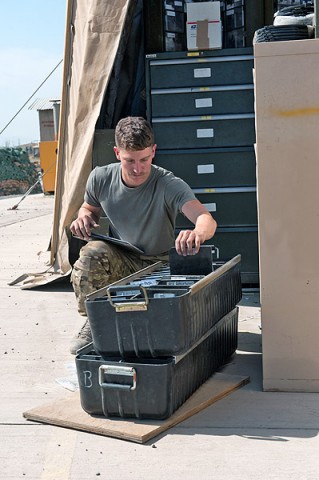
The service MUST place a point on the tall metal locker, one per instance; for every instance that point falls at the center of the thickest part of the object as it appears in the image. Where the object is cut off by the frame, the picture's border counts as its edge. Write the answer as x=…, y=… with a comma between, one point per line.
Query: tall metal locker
x=201, y=106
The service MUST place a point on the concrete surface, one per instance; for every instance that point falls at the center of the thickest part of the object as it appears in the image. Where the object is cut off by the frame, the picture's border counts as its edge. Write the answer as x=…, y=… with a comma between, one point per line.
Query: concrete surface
x=248, y=435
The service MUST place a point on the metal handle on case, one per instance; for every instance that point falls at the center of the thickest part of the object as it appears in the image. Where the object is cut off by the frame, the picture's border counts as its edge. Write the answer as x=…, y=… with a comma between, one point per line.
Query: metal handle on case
x=129, y=306
x=117, y=370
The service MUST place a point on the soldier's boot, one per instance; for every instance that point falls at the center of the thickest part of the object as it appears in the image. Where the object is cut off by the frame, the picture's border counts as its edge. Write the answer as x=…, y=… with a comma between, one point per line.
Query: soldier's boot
x=82, y=338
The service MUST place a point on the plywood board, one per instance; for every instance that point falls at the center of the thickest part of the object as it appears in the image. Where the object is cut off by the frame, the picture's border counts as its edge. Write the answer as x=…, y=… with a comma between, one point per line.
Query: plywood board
x=68, y=412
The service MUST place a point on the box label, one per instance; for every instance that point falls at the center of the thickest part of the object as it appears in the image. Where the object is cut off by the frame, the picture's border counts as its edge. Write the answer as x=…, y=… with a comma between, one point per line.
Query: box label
x=205, y=132
x=206, y=168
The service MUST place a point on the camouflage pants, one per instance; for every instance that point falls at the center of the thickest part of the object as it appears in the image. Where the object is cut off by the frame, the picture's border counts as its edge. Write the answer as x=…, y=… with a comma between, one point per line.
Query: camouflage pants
x=100, y=264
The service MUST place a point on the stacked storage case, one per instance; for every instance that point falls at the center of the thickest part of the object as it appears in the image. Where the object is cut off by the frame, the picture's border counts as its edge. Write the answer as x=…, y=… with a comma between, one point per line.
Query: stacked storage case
x=164, y=25
x=174, y=26
x=279, y=4
x=156, y=338
x=233, y=16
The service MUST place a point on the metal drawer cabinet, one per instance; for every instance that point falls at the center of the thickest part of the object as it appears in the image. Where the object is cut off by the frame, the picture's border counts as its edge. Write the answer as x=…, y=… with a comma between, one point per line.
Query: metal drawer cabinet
x=201, y=72
x=211, y=167
x=229, y=206
x=202, y=100
x=201, y=106
x=211, y=131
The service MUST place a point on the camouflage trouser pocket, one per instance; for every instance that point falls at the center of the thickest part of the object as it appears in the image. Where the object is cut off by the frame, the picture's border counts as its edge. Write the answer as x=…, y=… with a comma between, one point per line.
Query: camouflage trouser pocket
x=99, y=265
x=87, y=276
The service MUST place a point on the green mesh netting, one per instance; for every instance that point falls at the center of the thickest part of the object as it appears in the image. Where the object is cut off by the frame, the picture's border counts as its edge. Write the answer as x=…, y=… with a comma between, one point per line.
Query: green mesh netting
x=17, y=173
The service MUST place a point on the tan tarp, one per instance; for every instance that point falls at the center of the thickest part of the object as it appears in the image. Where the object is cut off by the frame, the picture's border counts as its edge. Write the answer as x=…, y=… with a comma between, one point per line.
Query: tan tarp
x=93, y=33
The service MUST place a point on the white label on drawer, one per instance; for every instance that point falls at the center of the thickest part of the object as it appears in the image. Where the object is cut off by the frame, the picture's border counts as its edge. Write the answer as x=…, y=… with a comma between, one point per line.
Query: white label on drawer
x=205, y=132
x=206, y=168
x=171, y=13
x=178, y=4
x=203, y=102
x=211, y=207
x=202, y=72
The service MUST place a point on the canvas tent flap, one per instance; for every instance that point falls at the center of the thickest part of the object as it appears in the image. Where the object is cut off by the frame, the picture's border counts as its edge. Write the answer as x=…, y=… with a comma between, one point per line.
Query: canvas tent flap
x=93, y=34
x=103, y=80
x=32, y=280
x=125, y=94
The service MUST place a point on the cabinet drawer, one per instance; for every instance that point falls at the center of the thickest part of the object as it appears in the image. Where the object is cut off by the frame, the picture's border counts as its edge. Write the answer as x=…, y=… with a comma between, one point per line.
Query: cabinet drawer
x=243, y=241
x=229, y=206
x=211, y=131
x=200, y=72
x=219, y=167
x=202, y=101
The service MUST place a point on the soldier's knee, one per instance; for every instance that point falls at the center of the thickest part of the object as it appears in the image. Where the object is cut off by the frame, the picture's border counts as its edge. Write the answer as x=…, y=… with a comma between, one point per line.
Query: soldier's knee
x=94, y=258
x=91, y=255
x=94, y=249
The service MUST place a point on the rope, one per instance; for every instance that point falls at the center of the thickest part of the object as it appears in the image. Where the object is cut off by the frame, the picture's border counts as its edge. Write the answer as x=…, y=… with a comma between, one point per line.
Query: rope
x=31, y=96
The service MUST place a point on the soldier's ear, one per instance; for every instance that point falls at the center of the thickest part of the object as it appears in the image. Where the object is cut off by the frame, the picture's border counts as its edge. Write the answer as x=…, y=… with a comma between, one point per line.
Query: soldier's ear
x=117, y=152
x=154, y=150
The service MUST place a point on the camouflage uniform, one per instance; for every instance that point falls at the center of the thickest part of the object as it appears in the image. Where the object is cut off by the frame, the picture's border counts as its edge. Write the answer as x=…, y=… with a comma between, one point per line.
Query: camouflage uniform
x=100, y=264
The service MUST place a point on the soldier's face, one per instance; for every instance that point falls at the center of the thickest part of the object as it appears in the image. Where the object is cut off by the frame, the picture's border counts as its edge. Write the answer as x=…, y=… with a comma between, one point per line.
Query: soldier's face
x=135, y=164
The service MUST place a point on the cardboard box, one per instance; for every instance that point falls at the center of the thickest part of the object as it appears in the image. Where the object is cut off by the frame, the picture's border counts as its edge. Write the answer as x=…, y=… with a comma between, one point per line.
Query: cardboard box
x=287, y=163
x=204, y=26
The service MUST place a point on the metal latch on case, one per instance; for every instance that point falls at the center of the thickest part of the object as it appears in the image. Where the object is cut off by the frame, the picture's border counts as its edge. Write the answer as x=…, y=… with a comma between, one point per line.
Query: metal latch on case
x=129, y=306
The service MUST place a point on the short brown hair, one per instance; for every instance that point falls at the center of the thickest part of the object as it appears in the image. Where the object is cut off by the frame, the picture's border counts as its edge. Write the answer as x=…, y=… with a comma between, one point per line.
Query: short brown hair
x=134, y=133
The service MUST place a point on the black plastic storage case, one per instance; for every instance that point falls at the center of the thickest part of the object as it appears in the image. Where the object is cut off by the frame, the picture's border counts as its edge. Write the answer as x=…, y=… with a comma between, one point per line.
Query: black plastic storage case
x=145, y=315
x=152, y=388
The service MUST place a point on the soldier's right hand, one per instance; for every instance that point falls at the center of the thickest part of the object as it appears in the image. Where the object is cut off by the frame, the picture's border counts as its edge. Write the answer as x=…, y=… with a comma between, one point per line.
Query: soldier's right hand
x=82, y=227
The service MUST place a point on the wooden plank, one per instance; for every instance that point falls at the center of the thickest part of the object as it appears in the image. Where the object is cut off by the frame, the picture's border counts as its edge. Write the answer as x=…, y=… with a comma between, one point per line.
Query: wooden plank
x=68, y=412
